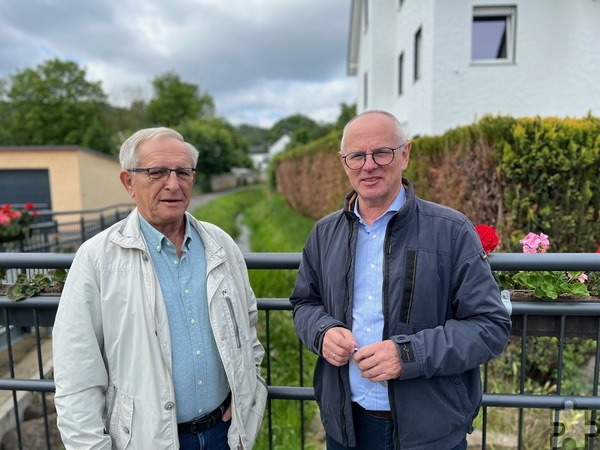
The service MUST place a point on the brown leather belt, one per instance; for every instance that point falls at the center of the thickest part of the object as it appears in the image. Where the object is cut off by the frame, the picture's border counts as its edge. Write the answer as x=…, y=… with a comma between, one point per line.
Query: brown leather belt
x=383, y=415
x=205, y=422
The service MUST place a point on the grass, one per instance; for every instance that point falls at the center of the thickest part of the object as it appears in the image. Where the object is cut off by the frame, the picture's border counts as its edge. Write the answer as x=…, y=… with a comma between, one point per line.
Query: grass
x=274, y=227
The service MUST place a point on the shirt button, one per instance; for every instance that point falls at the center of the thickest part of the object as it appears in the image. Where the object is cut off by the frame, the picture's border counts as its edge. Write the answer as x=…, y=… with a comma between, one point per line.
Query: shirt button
x=370, y=297
x=175, y=261
x=193, y=321
x=169, y=406
x=126, y=430
x=368, y=330
x=158, y=247
x=372, y=266
x=200, y=383
x=374, y=236
x=186, y=291
x=197, y=352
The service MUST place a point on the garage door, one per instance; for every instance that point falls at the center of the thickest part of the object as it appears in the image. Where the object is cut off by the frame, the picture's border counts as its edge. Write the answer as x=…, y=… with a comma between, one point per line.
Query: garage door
x=24, y=186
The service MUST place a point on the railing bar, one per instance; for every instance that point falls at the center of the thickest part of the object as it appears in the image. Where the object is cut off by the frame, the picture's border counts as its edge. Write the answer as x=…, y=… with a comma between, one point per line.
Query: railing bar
x=485, y=410
x=561, y=347
x=40, y=361
x=11, y=363
x=300, y=367
x=522, y=379
x=268, y=355
x=277, y=260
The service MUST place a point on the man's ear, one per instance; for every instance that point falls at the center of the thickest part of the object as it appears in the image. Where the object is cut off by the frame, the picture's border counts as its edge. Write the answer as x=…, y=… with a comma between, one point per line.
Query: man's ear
x=127, y=181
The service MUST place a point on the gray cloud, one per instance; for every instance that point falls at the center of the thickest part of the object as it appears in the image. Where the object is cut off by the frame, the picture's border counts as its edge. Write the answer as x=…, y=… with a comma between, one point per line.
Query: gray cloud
x=261, y=60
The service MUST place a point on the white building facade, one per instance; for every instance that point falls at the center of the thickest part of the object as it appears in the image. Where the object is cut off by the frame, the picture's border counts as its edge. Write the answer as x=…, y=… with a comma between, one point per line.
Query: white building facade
x=439, y=64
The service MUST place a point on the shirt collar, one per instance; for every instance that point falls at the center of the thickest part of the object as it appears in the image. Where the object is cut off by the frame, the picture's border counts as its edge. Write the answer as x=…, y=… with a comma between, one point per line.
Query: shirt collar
x=393, y=208
x=156, y=239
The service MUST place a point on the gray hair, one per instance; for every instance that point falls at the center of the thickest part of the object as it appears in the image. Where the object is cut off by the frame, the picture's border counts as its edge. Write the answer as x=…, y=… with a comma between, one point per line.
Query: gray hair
x=128, y=154
x=399, y=131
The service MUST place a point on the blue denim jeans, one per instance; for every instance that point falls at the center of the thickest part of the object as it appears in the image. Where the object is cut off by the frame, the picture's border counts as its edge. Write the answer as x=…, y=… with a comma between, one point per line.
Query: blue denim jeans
x=373, y=434
x=213, y=439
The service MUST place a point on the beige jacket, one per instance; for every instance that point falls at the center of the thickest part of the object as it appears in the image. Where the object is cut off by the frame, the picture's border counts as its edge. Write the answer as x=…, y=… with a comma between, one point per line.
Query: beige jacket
x=112, y=351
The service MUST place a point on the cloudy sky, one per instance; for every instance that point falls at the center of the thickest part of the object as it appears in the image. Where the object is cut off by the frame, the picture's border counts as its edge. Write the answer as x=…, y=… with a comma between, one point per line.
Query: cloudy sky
x=260, y=60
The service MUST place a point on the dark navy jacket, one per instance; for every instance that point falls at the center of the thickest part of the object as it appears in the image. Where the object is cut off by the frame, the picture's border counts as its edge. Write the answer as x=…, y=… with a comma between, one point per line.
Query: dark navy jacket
x=441, y=306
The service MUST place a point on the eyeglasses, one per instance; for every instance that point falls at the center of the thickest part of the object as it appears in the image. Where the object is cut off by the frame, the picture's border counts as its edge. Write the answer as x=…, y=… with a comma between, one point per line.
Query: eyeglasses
x=163, y=173
x=381, y=156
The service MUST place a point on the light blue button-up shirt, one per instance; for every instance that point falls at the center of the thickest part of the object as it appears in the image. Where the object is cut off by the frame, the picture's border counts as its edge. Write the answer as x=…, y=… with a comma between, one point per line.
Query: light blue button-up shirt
x=198, y=374
x=367, y=310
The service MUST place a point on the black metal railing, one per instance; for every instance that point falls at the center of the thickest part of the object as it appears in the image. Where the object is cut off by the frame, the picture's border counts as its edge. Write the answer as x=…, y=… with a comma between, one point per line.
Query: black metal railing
x=38, y=313
x=65, y=231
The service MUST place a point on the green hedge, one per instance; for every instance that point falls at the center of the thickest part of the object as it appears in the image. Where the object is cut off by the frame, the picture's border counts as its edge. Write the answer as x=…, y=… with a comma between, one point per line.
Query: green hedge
x=546, y=169
x=520, y=175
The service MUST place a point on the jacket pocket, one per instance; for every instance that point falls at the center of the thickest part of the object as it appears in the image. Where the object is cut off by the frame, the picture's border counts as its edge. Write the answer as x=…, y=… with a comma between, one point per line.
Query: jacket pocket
x=121, y=419
x=257, y=410
x=236, y=328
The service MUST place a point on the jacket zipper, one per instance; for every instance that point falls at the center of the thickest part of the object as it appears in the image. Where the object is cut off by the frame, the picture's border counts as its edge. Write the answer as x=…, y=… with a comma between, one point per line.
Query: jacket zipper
x=232, y=314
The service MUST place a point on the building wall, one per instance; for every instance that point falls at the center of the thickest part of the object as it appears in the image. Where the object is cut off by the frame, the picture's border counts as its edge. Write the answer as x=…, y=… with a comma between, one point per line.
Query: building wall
x=79, y=178
x=100, y=183
x=557, y=58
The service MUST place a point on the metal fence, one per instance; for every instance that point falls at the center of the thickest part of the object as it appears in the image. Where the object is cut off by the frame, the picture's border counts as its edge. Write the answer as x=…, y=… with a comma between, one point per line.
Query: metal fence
x=37, y=314
x=64, y=231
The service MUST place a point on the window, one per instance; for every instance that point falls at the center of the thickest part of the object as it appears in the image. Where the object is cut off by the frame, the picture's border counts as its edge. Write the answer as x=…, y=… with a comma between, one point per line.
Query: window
x=493, y=33
x=400, y=73
x=365, y=90
x=418, y=55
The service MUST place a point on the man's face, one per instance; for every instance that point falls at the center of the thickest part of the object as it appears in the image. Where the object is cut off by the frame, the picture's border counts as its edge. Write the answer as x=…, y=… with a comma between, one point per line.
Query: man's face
x=377, y=186
x=161, y=202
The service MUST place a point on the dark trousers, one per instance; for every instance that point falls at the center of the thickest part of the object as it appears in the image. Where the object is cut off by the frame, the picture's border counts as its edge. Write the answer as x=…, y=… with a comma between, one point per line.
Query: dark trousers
x=213, y=439
x=373, y=433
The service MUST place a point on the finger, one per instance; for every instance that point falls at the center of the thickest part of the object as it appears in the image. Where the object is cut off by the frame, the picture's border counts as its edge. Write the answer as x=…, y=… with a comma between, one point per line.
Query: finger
x=227, y=414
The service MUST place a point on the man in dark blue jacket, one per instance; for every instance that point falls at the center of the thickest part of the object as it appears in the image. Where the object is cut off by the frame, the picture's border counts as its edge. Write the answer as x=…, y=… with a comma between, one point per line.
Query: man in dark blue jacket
x=397, y=297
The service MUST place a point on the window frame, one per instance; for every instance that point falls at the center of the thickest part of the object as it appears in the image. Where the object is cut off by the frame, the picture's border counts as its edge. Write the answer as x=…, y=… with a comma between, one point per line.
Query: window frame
x=509, y=12
x=400, y=74
x=418, y=55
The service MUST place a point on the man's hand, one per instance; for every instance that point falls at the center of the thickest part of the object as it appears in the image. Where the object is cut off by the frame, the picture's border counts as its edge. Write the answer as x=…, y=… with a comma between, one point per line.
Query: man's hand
x=379, y=361
x=338, y=346
x=227, y=414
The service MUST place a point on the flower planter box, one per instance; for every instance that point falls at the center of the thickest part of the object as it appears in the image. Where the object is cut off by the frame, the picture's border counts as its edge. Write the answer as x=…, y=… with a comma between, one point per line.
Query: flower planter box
x=582, y=316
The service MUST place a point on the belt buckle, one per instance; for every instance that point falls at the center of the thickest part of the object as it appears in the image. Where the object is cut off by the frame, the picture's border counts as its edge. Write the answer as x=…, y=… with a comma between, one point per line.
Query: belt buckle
x=202, y=425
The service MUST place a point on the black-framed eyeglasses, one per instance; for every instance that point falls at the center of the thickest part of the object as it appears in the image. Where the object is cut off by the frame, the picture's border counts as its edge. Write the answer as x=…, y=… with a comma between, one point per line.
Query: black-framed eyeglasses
x=381, y=156
x=163, y=173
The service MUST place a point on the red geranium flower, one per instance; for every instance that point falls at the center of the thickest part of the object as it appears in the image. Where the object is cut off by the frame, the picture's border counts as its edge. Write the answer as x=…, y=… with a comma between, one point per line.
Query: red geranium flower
x=488, y=236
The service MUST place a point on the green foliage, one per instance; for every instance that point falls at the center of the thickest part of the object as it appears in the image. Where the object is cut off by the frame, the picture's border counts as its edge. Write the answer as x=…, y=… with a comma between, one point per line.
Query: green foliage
x=55, y=104
x=25, y=287
x=551, y=284
x=547, y=170
x=221, y=147
x=225, y=210
x=256, y=138
x=175, y=101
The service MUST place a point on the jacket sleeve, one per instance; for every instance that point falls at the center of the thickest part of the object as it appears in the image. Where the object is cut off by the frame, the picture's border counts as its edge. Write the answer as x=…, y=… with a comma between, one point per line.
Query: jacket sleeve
x=311, y=319
x=478, y=329
x=80, y=374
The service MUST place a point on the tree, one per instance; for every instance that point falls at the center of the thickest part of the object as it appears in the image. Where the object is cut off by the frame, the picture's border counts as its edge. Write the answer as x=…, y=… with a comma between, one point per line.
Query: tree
x=347, y=112
x=175, y=101
x=55, y=105
x=220, y=146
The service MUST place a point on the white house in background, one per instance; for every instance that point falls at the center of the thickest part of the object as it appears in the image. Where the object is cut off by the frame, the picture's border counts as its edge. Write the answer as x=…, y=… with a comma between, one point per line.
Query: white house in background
x=262, y=160
x=439, y=64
